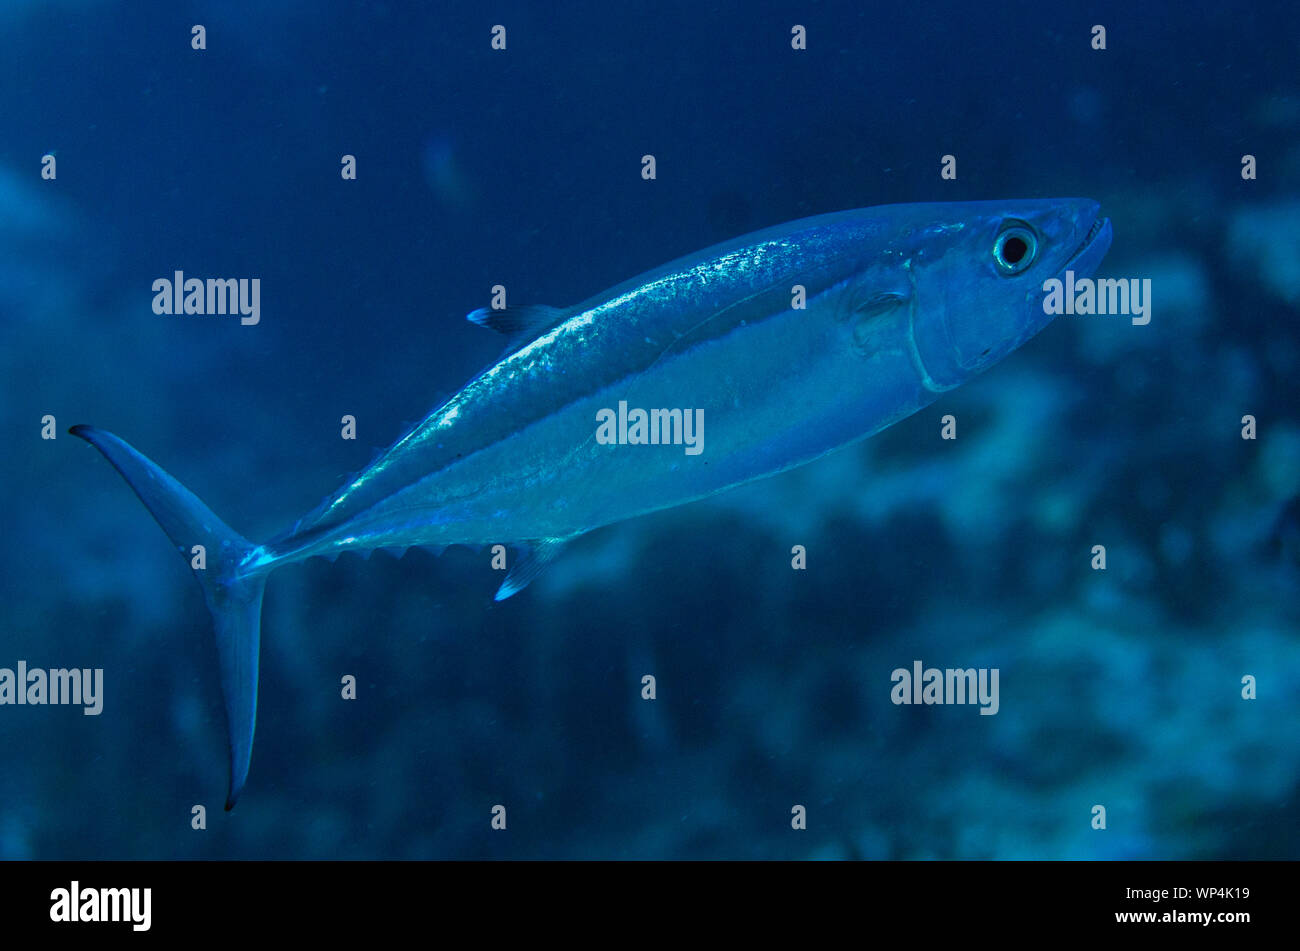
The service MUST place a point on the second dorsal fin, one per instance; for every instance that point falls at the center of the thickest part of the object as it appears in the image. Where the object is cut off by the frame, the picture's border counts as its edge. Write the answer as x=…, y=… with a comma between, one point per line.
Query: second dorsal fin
x=518, y=323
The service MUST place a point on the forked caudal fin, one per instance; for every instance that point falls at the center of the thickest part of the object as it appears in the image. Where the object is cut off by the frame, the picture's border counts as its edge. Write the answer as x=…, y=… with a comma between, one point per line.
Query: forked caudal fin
x=234, y=598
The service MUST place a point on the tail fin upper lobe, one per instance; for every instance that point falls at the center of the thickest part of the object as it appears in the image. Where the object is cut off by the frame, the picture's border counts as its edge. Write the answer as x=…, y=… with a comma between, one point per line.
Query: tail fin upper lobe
x=234, y=596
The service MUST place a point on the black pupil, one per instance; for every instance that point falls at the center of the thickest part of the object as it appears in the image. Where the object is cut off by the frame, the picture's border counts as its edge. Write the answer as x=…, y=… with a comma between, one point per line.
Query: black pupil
x=1014, y=250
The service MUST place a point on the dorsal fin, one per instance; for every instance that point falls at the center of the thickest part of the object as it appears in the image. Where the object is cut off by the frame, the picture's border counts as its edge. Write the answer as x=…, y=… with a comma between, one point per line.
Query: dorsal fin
x=518, y=323
x=531, y=558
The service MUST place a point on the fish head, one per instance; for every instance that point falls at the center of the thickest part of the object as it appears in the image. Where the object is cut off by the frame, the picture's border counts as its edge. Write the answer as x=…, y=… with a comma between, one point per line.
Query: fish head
x=978, y=272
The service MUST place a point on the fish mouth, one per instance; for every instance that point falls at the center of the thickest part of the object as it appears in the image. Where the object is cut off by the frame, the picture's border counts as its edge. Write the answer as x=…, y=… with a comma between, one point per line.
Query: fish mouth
x=1092, y=249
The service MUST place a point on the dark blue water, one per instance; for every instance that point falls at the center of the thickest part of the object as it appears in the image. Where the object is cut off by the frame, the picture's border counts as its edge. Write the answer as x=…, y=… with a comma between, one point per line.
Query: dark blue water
x=1119, y=687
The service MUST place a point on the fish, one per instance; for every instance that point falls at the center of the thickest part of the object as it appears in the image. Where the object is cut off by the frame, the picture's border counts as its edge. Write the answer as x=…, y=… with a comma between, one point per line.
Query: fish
x=784, y=344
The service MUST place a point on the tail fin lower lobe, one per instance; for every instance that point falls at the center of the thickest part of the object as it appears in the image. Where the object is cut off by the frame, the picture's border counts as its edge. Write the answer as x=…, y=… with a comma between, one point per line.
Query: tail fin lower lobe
x=234, y=596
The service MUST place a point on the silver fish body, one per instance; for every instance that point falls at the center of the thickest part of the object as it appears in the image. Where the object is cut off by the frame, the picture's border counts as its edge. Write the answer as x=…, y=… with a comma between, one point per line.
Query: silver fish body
x=890, y=296
x=782, y=345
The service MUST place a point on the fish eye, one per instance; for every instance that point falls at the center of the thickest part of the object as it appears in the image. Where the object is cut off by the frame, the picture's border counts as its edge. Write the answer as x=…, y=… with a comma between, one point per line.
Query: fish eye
x=1015, y=249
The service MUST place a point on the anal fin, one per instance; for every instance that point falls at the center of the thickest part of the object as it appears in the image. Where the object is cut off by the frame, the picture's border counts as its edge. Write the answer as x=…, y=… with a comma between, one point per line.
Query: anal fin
x=531, y=559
